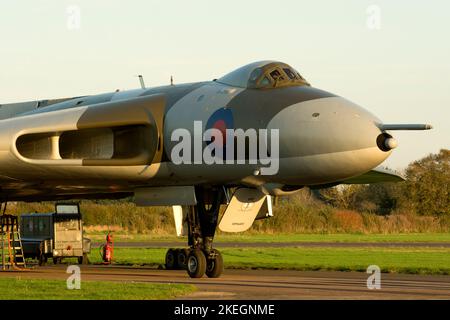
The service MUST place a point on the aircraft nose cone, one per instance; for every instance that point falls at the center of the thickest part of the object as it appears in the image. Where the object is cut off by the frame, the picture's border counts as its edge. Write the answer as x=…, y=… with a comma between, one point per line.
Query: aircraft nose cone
x=332, y=137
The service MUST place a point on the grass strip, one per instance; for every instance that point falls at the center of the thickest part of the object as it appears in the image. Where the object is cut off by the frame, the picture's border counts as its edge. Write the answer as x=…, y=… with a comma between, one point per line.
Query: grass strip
x=394, y=260
x=27, y=289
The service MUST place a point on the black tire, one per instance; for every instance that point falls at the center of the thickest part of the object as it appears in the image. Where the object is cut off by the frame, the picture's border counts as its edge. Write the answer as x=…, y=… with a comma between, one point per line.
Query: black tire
x=171, y=259
x=57, y=260
x=182, y=257
x=196, y=264
x=214, y=267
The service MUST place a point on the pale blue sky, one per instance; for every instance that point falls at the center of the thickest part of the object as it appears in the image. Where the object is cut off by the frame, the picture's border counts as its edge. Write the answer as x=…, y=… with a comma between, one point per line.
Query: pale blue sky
x=401, y=72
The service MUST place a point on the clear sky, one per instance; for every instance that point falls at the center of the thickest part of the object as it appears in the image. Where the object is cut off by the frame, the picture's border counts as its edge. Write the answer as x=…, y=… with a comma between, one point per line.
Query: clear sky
x=399, y=71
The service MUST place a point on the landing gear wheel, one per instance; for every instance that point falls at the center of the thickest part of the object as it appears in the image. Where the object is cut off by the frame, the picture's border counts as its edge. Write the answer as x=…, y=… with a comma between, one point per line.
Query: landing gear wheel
x=202, y=222
x=214, y=267
x=57, y=260
x=182, y=258
x=171, y=259
x=196, y=264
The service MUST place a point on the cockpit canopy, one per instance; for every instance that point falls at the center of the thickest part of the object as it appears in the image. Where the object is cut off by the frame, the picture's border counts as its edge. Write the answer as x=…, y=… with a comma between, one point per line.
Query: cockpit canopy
x=264, y=75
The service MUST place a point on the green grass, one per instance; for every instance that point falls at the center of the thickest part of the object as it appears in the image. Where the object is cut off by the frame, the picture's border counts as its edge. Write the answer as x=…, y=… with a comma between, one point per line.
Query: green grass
x=407, y=237
x=410, y=237
x=401, y=260
x=25, y=289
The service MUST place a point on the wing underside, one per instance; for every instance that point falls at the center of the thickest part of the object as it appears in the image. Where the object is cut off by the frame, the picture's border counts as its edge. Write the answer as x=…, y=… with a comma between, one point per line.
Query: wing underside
x=376, y=175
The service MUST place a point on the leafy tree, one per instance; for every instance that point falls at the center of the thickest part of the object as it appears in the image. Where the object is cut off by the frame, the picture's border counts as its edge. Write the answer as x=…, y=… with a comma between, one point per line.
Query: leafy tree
x=427, y=189
x=381, y=198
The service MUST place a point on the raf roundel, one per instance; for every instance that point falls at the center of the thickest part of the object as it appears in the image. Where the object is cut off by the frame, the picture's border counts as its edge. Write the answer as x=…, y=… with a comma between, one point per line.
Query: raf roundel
x=221, y=120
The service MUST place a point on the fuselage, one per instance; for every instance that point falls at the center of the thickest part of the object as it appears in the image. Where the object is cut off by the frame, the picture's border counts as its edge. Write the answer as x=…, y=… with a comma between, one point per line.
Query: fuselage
x=323, y=139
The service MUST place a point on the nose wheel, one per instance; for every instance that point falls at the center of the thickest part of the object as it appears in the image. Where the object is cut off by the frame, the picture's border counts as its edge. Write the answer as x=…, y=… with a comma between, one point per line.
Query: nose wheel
x=214, y=265
x=200, y=258
x=171, y=259
x=196, y=264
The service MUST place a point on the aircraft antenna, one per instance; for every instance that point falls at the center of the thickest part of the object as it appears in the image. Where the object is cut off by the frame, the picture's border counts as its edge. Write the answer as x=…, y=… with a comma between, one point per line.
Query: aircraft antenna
x=141, y=80
x=171, y=80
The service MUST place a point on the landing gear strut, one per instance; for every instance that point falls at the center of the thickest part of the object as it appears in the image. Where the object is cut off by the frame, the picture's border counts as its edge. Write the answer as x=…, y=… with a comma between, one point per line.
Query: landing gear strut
x=202, y=220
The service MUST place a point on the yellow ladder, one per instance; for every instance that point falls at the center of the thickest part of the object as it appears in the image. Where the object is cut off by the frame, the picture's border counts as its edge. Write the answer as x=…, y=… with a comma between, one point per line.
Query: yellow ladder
x=12, y=250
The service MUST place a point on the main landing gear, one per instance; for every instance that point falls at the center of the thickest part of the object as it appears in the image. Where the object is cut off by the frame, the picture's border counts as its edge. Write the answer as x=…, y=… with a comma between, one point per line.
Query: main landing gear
x=200, y=258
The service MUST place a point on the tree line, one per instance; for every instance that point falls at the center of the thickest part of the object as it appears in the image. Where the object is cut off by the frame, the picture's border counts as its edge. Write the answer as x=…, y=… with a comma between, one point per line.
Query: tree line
x=426, y=190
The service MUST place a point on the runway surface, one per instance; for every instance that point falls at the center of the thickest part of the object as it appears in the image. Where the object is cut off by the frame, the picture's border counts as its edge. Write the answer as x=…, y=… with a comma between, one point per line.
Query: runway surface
x=178, y=244
x=264, y=284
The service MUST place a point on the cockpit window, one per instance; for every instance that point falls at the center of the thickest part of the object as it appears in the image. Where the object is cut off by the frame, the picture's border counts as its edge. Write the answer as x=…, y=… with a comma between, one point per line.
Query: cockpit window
x=264, y=82
x=276, y=75
x=255, y=75
x=264, y=75
x=290, y=73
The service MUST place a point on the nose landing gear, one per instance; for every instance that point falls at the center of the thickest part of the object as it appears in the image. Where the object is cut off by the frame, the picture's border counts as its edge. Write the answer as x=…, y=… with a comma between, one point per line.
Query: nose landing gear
x=200, y=258
x=196, y=263
x=214, y=265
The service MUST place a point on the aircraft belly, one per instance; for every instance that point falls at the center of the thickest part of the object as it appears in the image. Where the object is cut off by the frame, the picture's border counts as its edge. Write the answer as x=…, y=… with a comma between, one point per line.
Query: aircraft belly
x=299, y=170
x=327, y=167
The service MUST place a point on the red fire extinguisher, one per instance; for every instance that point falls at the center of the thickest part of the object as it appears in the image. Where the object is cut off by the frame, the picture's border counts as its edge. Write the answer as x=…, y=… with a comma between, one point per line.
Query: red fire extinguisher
x=106, y=250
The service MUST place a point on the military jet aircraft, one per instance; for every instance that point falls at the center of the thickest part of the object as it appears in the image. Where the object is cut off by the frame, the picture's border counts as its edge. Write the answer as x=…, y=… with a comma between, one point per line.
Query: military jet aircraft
x=259, y=132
